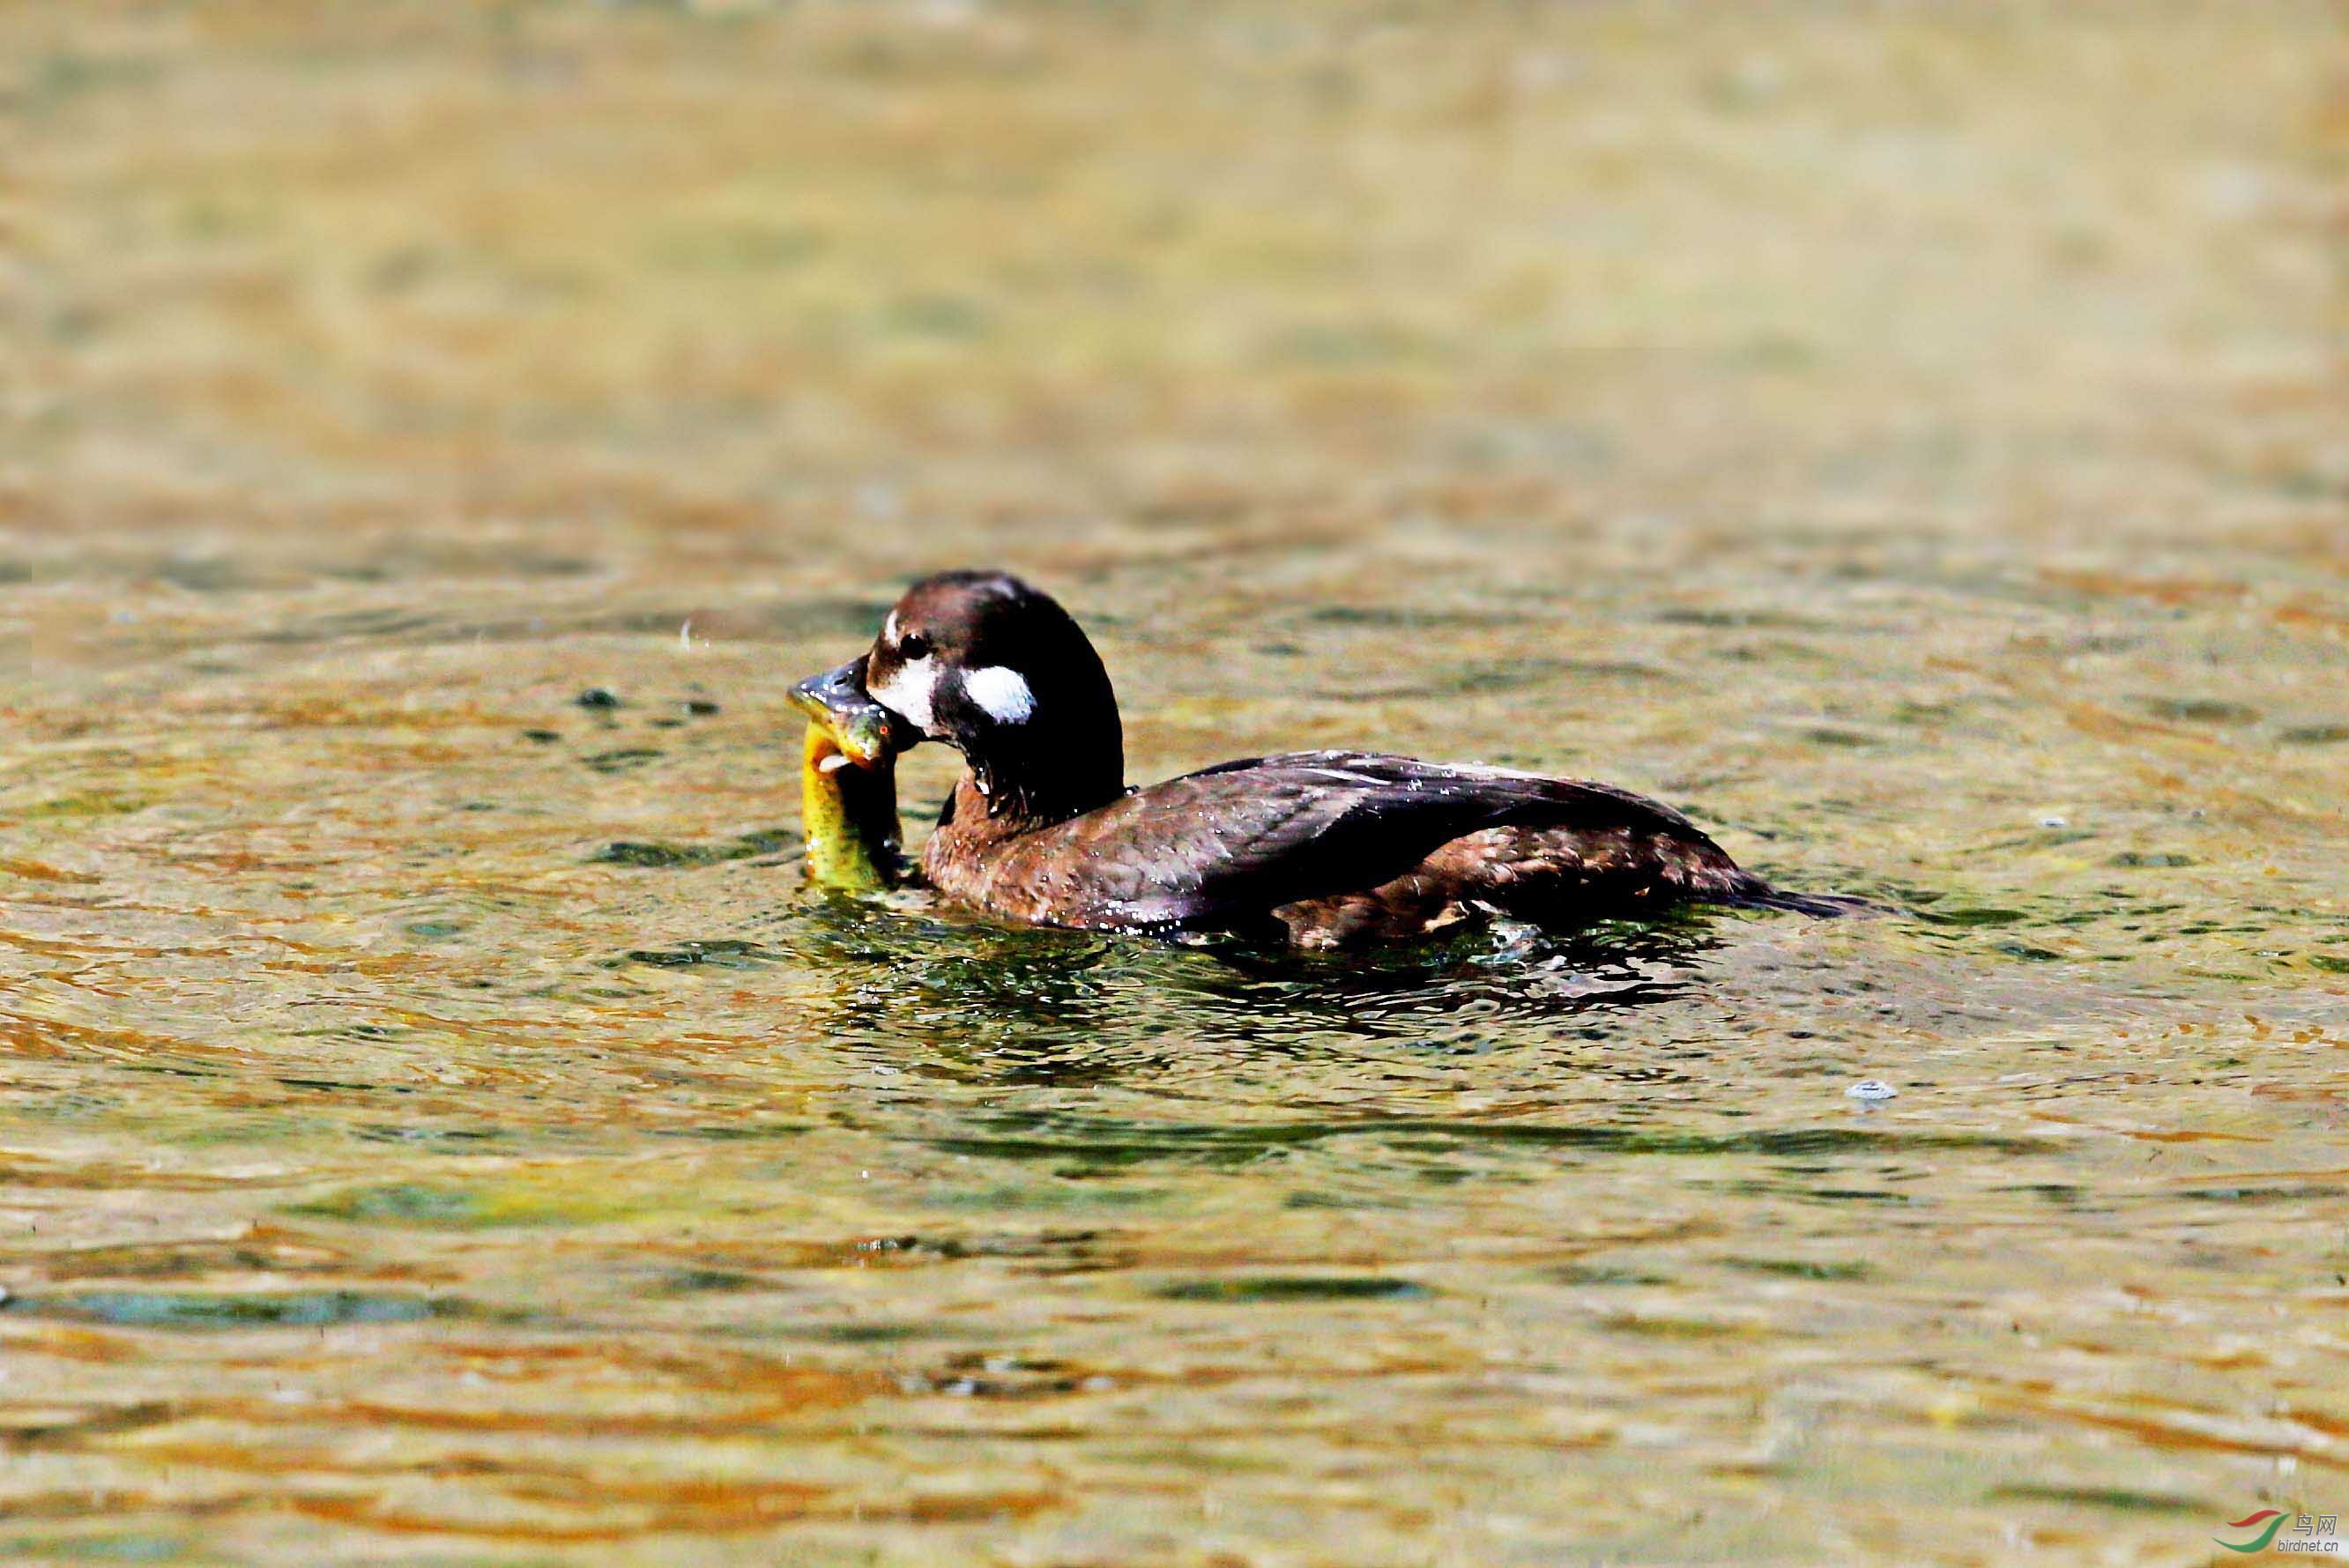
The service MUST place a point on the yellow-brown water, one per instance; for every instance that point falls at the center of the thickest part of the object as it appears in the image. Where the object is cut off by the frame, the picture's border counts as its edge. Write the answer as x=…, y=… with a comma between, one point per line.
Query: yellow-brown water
x=439, y=1131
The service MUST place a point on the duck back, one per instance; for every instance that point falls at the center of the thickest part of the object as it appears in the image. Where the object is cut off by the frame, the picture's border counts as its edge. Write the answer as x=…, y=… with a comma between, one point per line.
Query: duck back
x=1335, y=848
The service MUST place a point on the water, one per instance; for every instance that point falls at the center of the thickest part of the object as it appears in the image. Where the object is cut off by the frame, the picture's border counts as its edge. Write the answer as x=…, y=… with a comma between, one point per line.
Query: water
x=436, y=1128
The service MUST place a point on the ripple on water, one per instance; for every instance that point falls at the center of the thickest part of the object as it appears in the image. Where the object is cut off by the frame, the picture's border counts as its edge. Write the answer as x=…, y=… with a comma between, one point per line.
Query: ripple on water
x=219, y=1310
x=436, y=1127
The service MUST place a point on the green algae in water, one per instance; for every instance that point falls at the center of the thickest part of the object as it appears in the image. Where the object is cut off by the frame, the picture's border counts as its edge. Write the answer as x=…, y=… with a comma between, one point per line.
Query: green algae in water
x=1098, y=1144
x=689, y=1282
x=191, y=1309
x=1801, y=1268
x=1973, y=917
x=1606, y=1275
x=621, y=760
x=132, y=1548
x=1652, y=1325
x=2122, y=1499
x=429, y=1206
x=1293, y=1287
x=2200, y=710
x=720, y=953
x=658, y=856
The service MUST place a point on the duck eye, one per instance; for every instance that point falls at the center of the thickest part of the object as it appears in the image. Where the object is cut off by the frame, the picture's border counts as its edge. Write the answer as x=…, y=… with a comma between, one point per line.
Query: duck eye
x=913, y=646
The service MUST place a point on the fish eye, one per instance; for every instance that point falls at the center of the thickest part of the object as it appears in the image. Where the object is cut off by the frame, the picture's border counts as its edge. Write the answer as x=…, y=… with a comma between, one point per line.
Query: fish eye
x=913, y=646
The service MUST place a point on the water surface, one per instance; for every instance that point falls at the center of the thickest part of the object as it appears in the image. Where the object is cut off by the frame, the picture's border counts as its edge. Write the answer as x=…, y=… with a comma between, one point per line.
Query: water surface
x=436, y=1127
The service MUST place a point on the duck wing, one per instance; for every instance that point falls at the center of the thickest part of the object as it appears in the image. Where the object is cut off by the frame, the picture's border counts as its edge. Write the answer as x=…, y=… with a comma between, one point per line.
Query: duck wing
x=1228, y=843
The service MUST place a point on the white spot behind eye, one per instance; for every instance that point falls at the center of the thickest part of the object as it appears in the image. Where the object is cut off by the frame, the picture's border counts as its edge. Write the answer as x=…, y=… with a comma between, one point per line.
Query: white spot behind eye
x=908, y=690
x=1002, y=691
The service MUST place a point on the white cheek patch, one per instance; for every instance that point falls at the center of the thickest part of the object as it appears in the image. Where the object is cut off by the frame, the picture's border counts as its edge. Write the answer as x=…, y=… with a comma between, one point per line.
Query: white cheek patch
x=1002, y=691
x=908, y=690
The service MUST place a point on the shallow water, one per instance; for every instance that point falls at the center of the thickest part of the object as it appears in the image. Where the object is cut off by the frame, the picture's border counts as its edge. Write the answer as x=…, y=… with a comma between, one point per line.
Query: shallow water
x=436, y=1128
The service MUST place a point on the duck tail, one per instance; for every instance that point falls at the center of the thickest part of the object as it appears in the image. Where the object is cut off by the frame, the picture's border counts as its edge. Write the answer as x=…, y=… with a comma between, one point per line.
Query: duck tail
x=1753, y=892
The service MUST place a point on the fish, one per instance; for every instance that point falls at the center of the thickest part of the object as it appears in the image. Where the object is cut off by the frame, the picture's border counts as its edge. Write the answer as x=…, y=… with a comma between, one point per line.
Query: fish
x=848, y=785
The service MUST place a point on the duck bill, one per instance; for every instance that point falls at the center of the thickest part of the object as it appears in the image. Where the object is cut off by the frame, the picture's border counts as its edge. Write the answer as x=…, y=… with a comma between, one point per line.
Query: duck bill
x=861, y=730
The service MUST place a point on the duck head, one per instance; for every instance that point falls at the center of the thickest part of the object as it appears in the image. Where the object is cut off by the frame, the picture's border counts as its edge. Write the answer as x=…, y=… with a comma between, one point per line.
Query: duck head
x=999, y=672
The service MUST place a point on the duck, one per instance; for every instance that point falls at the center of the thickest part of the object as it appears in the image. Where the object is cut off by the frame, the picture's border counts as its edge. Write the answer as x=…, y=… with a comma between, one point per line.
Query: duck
x=1313, y=850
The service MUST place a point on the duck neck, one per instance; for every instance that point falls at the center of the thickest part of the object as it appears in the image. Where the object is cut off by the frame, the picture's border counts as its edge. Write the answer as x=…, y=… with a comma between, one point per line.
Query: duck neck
x=1039, y=775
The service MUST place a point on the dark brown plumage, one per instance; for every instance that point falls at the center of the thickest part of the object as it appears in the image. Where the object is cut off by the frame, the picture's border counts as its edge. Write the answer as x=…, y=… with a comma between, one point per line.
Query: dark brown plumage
x=1327, y=847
